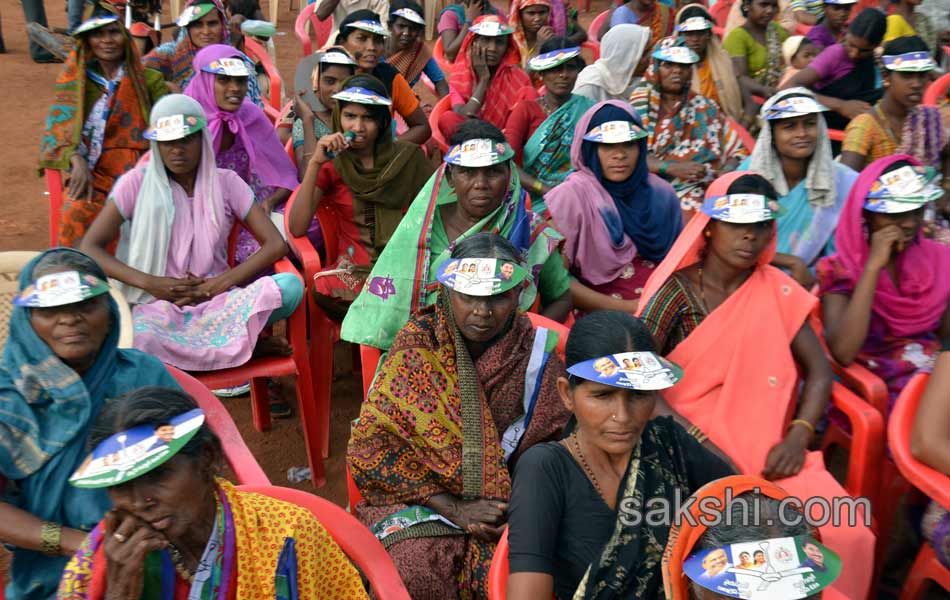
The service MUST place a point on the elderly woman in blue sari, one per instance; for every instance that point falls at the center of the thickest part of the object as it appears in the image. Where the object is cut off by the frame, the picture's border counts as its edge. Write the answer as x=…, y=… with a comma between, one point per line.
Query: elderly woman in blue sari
x=540, y=130
x=618, y=219
x=61, y=366
x=793, y=152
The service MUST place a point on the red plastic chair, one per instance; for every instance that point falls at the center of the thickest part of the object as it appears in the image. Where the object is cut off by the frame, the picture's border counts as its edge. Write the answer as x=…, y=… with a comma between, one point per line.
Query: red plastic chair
x=498, y=571
x=937, y=90
x=353, y=537
x=747, y=140
x=802, y=29
x=54, y=187
x=324, y=332
x=836, y=135
x=438, y=53
x=257, y=52
x=258, y=370
x=720, y=12
x=595, y=26
x=321, y=29
x=442, y=106
x=242, y=461
x=593, y=48
x=930, y=481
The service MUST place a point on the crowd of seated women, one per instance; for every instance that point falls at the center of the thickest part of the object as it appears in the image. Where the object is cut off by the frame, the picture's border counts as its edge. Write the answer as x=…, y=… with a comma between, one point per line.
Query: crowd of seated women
x=617, y=198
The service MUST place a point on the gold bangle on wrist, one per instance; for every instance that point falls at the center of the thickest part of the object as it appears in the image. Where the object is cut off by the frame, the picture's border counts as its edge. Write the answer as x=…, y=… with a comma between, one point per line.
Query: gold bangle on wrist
x=803, y=423
x=51, y=537
x=537, y=186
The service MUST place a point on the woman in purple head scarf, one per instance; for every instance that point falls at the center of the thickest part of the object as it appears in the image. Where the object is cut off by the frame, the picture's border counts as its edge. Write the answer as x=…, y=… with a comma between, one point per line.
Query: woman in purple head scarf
x=244, y=139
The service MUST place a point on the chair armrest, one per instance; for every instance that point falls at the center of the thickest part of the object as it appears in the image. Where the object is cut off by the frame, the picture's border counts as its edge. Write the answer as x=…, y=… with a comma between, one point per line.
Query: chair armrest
x=867, y=441
x=864, y=383
x=928, y=480
x=301, y=246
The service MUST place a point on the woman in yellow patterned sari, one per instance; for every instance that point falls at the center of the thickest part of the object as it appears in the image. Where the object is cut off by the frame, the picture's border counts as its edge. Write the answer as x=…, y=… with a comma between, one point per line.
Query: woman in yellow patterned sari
x=468, y=385
x=177, y=532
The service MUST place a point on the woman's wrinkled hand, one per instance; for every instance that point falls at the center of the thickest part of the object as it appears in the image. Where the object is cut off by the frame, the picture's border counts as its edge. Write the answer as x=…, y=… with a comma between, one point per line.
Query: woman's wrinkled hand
x=126, y=542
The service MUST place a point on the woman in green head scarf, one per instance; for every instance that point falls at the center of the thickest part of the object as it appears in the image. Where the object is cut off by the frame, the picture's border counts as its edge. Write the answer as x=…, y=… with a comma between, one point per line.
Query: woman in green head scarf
x=361, y=178
x=476, y=190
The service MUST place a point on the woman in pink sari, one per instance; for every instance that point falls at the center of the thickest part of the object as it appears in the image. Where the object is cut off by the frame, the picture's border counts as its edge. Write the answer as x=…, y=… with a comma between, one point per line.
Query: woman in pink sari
x=174, y=215
x=738, y=328
x=885, y=292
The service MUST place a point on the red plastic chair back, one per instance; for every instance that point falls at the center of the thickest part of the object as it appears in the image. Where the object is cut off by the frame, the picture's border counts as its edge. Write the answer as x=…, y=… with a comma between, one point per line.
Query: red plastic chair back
x=442, y=106
x=321, y=29
x=802, y=29
x=593, y=48
x=54, y=187
x=836, y=135
x=928, y=480
x=747, y=140
x=498, y=571
x=595, y=26
x=353, y=537
x=438, y=53
x=720, y=12
x=236, y=452
x=257, y=52
x=937, y=91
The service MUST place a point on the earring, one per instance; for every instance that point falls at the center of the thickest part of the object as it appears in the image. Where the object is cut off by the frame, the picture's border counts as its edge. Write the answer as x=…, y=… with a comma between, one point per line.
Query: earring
x=707, y=233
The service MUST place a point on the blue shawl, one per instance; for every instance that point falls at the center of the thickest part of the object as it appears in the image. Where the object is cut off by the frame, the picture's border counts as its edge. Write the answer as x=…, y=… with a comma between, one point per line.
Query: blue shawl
x=46, y=410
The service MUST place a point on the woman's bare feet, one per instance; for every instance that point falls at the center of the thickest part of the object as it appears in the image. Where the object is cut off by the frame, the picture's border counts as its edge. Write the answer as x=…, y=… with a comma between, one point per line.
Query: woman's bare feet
x=272, y=346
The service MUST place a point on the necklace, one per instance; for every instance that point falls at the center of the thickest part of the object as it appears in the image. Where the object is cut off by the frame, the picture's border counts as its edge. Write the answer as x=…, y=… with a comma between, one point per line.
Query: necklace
x=590, y=472
x=887, y=123
x=702, y=290
x=179, y=561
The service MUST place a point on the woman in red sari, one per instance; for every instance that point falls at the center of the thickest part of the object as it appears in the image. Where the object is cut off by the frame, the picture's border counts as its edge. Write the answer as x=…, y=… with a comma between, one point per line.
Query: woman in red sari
x=487, y=77
x=738, y=328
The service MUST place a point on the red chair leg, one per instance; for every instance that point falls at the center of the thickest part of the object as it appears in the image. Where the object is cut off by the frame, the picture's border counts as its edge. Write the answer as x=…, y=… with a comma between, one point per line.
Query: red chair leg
x=313, y=434
x=260, y=404
x=926, y=567
x=321, y=366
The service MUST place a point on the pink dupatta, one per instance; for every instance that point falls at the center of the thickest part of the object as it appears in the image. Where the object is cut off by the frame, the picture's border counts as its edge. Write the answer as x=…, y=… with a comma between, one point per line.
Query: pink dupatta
x=739, y=370
x=917, y=303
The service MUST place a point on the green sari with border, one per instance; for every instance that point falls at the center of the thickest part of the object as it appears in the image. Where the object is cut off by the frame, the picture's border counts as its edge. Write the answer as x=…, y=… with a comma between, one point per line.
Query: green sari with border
x=403, y=280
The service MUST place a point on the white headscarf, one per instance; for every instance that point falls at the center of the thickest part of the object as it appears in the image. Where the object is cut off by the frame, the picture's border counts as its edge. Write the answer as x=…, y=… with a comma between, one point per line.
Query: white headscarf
x=144, y=242
x=819, y=179
x=620, y=52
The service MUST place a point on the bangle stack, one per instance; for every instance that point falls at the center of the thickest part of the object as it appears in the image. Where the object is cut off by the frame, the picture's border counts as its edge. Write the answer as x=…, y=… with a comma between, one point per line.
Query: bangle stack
x=537, y=187
x=51, y=537
x=697, y=433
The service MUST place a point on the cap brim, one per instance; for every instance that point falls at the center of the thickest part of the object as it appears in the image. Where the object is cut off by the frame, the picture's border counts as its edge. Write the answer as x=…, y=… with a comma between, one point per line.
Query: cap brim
x=640, y=371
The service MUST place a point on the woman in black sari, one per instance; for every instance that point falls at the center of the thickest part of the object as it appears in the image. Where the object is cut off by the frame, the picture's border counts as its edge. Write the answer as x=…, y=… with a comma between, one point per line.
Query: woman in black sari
x=575, y=520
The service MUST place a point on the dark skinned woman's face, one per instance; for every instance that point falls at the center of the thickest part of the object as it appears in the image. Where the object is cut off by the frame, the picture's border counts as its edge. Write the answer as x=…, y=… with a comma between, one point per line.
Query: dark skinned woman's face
x=906, y=88
x=169, y=498
x=207, y=30
x=910, y=223
x=107, y=43
x=229, y=92
x=494, y=46
x=739, y=245
x=74, y=332
x=481, y=319
x=480, y=190
x=761, y=12
x=674, y=77
x=183, y=156
x=796, y=137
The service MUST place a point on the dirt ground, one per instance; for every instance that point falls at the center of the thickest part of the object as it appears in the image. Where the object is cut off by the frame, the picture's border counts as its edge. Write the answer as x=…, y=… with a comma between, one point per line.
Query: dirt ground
x=25, y=94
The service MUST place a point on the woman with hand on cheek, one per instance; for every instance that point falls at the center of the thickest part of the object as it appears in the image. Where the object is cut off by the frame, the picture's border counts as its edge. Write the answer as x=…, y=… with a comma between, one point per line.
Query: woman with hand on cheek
x=364, y=37
x=885, y=292
x=177, y=529
x=487, y=78
x=174, y=216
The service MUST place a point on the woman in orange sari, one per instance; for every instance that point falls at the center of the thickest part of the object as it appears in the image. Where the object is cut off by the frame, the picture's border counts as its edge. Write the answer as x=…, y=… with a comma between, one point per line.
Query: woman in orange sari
x=715, y=295
x=95, y=124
